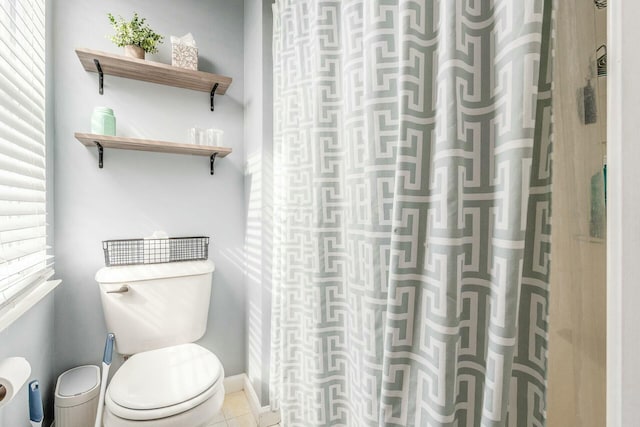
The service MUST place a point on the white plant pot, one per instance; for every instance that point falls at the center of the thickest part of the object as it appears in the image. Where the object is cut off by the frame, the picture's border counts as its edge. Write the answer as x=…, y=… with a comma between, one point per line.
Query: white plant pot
x=134, y=51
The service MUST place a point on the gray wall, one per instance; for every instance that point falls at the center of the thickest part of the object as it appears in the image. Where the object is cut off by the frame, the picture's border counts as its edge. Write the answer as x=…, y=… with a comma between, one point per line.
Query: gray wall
x=139, y=192
x=623, y=207
x=258, y=152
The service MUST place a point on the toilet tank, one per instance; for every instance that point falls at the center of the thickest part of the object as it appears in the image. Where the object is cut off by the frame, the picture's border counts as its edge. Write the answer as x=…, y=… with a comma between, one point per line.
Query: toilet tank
x=157, y=305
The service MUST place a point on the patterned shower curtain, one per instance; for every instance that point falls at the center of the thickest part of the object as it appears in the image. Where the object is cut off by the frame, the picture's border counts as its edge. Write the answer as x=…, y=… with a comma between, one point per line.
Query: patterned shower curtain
x=412, y=180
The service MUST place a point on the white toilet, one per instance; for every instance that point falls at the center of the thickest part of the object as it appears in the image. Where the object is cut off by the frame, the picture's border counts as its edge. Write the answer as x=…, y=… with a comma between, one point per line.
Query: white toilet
x=156, y=313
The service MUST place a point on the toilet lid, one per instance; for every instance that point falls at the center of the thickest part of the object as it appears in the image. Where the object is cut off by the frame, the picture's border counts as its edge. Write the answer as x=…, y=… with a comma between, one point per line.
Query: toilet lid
x=164, y=377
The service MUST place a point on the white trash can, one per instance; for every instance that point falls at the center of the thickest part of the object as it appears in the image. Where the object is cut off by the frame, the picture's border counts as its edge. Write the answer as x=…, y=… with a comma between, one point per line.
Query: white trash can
x=76, y=401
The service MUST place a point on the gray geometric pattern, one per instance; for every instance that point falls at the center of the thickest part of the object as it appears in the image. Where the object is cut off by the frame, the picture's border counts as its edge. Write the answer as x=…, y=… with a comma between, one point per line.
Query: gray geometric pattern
x=412, y=189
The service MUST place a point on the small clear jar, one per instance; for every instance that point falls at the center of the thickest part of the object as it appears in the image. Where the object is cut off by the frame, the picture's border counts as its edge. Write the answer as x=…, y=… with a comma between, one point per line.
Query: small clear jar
x=103, y=122
x=214, y=137
x=196, y=136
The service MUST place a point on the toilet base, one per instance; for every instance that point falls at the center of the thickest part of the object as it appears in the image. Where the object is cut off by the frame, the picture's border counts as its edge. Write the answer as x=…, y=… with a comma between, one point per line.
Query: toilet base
x=198, y=416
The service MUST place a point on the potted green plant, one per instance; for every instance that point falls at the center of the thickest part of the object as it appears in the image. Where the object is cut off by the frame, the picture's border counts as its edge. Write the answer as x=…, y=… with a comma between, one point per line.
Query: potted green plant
x=135, y=36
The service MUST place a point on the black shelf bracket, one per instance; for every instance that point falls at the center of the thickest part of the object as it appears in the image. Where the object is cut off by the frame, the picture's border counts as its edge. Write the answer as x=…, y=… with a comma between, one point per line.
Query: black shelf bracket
x=101, y=78
x=100, y=154
x=212, y=160
x=213, y=93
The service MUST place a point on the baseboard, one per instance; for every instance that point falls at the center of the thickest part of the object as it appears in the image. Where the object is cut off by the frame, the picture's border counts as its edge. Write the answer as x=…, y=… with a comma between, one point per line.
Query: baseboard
x=264, y=416
x=234, y=383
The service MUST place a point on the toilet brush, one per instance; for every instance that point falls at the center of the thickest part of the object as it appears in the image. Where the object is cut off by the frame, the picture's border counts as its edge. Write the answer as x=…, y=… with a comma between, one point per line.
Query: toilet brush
x=106, y=364
x=35, y=404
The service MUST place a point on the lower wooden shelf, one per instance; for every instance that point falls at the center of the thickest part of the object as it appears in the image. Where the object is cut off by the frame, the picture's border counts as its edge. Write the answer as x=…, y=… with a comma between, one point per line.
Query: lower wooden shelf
x=122, y=143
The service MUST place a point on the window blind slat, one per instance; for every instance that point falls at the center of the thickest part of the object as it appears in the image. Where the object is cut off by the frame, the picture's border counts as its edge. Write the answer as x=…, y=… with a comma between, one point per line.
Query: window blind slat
x=30, y=86
x=21, y=148
x=24, y=164
x=21, y=195
x=31, y=109
x=23, y=79
x=17, y=251
x=15, y=86
x=15, y=270
x=23, y=242
x=21, y=36
x=23, y=51
x=21, y=181
x=20, y=121
x=13, y=236
x=9, y=209
x=31, y=80
x=31, y=280
x=31, y=18
x=21, y=222
x=34, y=12
x=18, y=270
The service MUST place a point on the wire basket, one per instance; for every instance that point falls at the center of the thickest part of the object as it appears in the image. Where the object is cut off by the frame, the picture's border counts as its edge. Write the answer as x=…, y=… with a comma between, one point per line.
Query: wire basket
x=155, y=251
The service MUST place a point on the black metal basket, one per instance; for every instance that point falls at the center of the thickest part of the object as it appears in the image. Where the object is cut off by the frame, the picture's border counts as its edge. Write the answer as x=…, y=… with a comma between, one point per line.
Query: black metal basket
x=155, y=251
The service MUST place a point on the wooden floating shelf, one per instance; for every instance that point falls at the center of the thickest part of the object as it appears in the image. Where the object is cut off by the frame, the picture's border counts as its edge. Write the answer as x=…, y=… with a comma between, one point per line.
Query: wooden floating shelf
x=149, y=71
x=122, y=143
x=154, y=72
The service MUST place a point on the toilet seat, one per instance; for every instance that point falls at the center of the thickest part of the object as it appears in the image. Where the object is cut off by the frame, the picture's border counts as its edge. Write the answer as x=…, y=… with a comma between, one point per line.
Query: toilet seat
x=200, y=416
x=138, y=390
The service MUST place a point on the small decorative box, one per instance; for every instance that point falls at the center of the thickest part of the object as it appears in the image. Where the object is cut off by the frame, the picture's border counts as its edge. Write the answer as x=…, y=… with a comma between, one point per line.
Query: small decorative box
x=184, y=56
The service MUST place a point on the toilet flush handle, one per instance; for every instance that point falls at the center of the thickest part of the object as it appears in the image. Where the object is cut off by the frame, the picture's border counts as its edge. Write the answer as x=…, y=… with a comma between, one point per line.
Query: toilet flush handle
x=123, y=289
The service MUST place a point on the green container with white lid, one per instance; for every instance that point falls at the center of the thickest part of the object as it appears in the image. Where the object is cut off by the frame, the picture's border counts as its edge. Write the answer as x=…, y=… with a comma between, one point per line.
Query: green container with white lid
x=103, y=122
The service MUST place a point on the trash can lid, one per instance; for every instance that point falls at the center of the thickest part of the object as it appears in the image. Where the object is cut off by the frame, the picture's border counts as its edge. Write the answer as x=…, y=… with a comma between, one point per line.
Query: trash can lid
x=78, y=381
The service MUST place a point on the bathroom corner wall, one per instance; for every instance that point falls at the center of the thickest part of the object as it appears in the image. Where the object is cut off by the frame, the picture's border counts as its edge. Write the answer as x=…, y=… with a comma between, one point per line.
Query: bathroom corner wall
x=258, y=183
x=139, y=192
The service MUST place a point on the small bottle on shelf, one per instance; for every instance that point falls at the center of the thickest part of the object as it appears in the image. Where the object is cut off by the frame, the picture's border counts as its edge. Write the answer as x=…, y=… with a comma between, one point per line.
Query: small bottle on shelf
x=103, y=122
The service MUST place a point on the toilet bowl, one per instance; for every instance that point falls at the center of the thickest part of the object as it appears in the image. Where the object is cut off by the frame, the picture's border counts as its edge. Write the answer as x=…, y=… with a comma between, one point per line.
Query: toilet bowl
x=177, y=386
x=156, y=313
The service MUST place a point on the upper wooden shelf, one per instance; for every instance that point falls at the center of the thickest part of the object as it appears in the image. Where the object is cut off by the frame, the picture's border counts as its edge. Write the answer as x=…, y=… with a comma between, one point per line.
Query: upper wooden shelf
x=119, y=142
x=150, y=71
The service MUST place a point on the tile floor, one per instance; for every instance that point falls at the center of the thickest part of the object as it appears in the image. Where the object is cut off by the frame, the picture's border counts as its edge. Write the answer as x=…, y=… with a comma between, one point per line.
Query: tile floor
x=235, y=412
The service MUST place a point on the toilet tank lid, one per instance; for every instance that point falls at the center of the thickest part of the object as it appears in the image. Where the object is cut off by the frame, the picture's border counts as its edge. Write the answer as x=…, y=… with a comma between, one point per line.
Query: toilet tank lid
x=136, y=273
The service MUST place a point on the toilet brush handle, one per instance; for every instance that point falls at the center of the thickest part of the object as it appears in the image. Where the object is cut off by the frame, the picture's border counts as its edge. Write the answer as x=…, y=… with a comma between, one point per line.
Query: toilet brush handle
x=106, y=364
x=36, y=414
x=108, y=349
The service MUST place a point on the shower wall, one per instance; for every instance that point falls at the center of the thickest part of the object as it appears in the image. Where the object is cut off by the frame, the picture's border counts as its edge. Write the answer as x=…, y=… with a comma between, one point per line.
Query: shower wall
x=577, y=347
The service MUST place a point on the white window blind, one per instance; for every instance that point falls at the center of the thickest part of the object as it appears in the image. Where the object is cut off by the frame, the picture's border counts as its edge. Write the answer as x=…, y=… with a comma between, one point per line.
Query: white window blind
x=23, y=247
